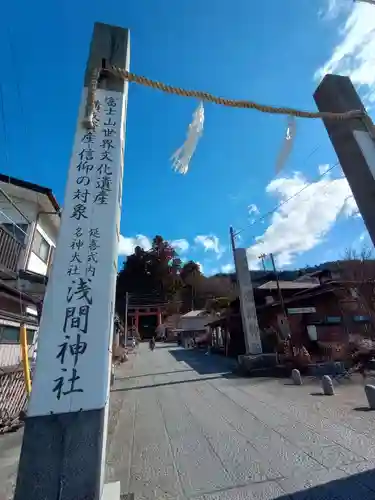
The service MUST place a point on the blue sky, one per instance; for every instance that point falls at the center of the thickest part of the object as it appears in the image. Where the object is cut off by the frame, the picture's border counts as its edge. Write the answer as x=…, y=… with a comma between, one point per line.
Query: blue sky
x=273, y=52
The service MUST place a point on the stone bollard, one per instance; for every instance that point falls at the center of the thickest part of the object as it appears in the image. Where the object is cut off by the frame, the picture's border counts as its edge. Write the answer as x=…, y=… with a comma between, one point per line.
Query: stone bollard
x=327, y=386
x=296, y=377
x=370, y=394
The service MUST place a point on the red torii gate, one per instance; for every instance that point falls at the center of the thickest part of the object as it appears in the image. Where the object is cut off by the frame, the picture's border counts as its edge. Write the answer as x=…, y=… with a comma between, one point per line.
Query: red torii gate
x=136, y=312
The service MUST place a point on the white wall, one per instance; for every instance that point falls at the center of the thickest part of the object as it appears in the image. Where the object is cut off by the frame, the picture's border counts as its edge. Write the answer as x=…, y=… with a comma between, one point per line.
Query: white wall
x=10, y=352
x=35, y=264
x=45, y=225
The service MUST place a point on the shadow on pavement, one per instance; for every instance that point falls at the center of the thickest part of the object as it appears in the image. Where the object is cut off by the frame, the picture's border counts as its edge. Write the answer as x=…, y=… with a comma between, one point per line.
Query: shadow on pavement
x=202, y=363
x=359, y=486
x=153, y=374
x=166, y=384
x=363, y=408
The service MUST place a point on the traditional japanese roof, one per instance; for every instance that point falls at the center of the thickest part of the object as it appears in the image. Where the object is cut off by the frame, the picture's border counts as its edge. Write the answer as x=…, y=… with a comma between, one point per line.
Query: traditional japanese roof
x=299, y=285
x=6, y=179
x=195, y=314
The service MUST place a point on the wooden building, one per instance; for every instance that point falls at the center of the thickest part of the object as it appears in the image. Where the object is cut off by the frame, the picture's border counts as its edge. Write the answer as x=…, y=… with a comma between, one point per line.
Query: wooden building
x=321, y=316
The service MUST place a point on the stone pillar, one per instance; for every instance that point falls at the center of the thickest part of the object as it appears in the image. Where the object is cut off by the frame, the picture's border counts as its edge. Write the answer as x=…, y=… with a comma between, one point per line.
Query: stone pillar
x=64, y=441
x=354, y=145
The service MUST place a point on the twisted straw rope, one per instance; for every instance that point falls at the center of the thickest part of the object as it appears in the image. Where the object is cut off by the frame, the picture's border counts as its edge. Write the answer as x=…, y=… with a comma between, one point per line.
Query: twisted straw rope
x=205, y=96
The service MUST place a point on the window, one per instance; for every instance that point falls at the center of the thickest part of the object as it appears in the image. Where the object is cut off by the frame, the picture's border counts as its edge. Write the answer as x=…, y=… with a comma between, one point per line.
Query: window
x=11, y=335
x=41, y=247
x=361, y=319
x=333, y=320
x=18, y=231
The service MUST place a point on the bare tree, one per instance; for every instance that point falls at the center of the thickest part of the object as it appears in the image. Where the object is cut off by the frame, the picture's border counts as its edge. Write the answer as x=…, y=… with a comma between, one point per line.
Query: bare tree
x=356, y=288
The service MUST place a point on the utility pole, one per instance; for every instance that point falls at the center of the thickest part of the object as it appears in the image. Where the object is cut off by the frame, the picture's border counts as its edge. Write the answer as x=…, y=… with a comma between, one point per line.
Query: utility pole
x=232, y=239
x=250, y=325
x=64, y=442
x=126, y=317
x=262, y=257
x=353, y=141
x=281, y=298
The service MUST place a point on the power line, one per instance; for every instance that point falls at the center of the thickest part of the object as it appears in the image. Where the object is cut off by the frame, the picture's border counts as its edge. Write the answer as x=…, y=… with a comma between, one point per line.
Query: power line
x=284, y=202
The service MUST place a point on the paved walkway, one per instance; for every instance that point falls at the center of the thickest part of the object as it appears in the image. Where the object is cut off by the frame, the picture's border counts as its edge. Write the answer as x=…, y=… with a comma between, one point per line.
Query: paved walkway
x=182, y=426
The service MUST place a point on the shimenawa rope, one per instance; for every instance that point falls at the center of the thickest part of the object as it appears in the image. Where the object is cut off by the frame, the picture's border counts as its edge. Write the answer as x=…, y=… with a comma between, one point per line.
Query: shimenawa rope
x=204, y=96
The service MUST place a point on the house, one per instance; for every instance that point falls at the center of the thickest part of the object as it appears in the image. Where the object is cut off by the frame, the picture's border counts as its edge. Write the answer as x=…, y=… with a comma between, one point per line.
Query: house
x=194, y=325
x=11, y=318
x=323, y=317
x=195, y=320
x=29, y=226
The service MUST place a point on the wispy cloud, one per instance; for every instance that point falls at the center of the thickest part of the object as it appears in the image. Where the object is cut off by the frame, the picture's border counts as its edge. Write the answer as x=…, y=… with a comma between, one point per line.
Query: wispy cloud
x=180, y=245
x=200, y=267
x=363, y=236
x=334, y=8
x=323, y=169
x=252, y=209
x=302, y=223
x=210, y=243
x=227, y=268
x=354, y=53
x=127, y=245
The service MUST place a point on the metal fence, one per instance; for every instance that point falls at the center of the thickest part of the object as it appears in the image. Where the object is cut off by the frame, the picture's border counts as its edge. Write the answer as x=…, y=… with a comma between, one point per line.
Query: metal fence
x=10, y=250
x=13, y=398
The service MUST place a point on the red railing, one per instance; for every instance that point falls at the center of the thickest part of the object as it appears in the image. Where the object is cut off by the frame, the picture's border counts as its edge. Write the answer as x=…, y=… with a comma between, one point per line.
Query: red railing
x=10, y=250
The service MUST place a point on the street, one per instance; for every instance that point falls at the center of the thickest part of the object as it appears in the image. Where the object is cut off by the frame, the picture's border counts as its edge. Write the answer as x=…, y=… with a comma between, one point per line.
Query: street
x=183, y=426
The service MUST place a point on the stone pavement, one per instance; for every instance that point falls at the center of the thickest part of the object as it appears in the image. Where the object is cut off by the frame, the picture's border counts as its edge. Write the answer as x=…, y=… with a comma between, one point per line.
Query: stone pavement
x=183, y=427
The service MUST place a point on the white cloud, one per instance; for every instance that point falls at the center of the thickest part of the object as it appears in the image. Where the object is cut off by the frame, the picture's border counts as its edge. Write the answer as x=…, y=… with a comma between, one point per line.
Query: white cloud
x=323, y=169
x=127, y=245
x=363, y=236
x=334, y=8
x=354, y=54
x=227, y=268
x=212, y=271
x=252, y=209
x=180, y=245
x=210, y=243
x=200, y=267
x=301, y=223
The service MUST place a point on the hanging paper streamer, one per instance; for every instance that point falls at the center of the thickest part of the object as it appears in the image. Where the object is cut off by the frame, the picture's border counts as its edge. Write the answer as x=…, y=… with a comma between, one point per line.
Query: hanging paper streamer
x=287, y=145
x=182, y=157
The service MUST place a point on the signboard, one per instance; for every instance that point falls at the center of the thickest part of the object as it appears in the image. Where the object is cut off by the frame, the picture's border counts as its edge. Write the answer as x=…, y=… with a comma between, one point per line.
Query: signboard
x=248, y=311
x=72, y=371
x=301, y=310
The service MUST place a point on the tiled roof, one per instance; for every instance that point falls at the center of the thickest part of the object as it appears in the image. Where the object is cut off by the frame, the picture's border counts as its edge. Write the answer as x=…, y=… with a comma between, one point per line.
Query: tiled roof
x=291, y=285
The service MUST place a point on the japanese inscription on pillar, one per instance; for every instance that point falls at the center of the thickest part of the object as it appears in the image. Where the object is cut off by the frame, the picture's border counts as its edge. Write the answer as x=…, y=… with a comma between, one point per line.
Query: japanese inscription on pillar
x=248, y=310
x=77, y=319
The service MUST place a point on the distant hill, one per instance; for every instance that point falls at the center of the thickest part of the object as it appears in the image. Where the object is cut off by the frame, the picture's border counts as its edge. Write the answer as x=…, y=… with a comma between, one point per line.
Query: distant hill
x=259, y=276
